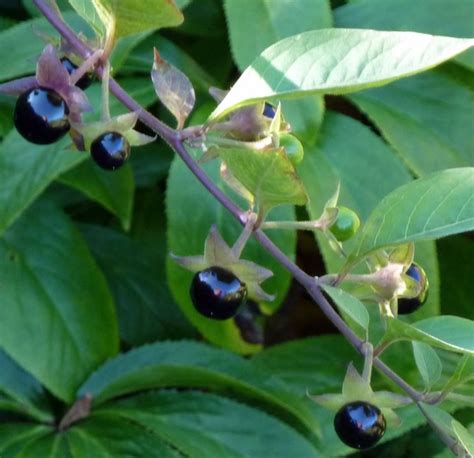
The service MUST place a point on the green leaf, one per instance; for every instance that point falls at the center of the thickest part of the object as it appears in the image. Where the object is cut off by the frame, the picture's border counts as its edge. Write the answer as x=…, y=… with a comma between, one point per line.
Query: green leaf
x=350, y=306
x=428, y=363
x=26, y=171
x=15, y=436
x=426, y=118
x=145, y=309
x=115, y=191
x=27, y=45
x=118, y=437
x=184, y=195
x=195, y=365
x=452, y=20
x=129, y=16
x=267, y=174
x=337, y=61
x=464, y=436
x=425, y=209
x=203, y=424
x=270, y=22
x=463, y=373
x=27, y=395
x=51, y=446
x=446, y=332
x=58, y=320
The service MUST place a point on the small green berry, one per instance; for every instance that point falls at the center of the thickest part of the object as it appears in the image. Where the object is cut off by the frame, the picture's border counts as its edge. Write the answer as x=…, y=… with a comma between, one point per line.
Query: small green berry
x=293, y=148
x=346, y=224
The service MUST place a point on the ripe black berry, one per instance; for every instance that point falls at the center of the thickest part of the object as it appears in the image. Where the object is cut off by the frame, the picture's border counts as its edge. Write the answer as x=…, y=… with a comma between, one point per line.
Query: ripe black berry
x=85, y=81
x=359, y=424
x=217, y=293
x=41, y=116
x=269, y=110
x=408, y=305
x=110, y=150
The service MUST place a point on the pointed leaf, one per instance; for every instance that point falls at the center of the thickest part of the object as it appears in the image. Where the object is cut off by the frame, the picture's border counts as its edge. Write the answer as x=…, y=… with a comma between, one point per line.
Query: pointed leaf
x=192, y=364
x=58, y=319
x=337, y=61
x=173, y=88
x=267, y=174
x=203, y=424
x=351, y=306
x=450, y=333
x=428, y=363
x=425, y=209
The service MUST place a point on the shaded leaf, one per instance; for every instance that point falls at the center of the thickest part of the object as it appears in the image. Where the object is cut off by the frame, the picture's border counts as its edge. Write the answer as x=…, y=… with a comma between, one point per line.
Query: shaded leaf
x=428, y=363
x=58, y=320
x=173, y=88
x=337, y=61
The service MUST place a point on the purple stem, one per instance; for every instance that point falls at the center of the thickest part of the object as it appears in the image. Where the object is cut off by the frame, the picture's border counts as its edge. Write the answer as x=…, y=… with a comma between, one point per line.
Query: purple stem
x=175, y=141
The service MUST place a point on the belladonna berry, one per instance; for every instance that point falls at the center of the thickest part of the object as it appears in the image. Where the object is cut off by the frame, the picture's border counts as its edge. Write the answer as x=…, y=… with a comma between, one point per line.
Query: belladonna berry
x=85, y=81
x=346, y=224
x=269, y=110
x=41, y=116
x=359, y=424
x=293, y=148
x=217, y=293
x=409, y=305
x=110, y=150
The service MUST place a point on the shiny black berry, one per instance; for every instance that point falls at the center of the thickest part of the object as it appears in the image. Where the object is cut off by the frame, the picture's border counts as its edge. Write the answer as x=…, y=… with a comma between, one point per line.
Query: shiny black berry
x=409, y=305
x=217, y=293
x=41, y=116
x=110, y=150
x=85, y=81
x=359, y=424
x=269, y=110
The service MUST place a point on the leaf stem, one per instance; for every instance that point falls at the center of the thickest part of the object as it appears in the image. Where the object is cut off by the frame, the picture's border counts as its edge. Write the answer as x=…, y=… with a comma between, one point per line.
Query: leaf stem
x=240, y=243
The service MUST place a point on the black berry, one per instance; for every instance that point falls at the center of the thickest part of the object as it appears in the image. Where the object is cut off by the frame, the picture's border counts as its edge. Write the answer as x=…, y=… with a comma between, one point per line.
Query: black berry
x=41, y=116
x=359, y=424
x=110, y=150
x=408, y=305
x=85, y=81
x=269, y=110
x=217, y=293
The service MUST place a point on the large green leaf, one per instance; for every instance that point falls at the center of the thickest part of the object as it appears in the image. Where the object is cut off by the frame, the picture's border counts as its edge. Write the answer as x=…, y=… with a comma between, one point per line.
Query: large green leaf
x=191, y=212
x=426, y=118
x=27, y=45
x=192, y=364
x=337, y=61
x=205, y=425
x=26, y=394
x=428, y=363
x=428, y=208
x=112, y=190
x=267, y=174
x=128, y=16
x=270, y=21
x=451, y=18
x=26, y=171
x=145, y=309
x=449, y=333
x=15, y=436
x=57, y=318
x=50, y=446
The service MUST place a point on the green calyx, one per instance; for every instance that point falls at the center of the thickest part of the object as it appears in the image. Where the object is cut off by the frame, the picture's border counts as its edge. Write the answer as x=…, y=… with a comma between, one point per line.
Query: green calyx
x=346, y=224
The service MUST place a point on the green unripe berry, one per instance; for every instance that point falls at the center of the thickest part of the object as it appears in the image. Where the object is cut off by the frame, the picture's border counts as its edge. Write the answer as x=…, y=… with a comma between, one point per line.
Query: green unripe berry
x=293, y=148
x=346, y=224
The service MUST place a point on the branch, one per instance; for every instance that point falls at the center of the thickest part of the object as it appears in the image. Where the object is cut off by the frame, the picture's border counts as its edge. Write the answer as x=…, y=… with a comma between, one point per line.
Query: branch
x=175, y=140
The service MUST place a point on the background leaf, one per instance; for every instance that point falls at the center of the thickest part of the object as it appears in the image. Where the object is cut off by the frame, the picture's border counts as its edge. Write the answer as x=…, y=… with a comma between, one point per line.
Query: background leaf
x=347, y=60
x=58, y=320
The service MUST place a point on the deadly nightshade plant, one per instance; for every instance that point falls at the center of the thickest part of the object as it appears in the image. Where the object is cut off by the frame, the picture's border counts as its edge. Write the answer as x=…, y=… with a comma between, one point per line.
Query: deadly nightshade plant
x=257, y=155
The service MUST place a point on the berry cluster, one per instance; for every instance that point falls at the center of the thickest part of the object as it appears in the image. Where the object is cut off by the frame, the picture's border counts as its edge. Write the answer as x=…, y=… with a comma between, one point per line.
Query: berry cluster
x=42, y=116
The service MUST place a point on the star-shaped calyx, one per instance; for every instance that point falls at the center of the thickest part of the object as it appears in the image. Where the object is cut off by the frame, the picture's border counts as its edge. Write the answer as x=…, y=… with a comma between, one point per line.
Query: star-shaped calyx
x=218, y=253
x=356, y=388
